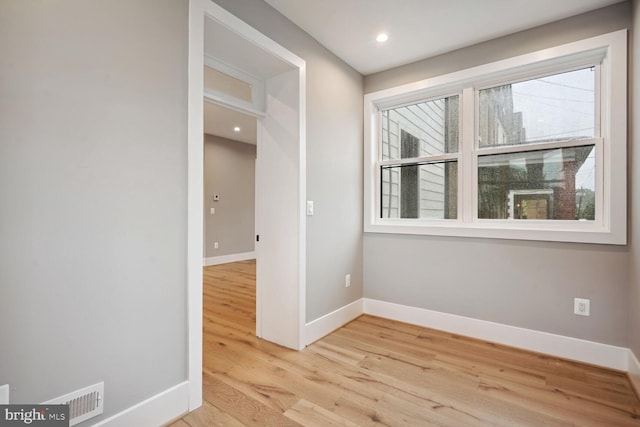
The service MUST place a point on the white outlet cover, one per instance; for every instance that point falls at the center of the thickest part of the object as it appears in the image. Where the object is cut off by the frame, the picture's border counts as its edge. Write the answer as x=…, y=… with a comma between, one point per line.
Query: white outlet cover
x=581, y=307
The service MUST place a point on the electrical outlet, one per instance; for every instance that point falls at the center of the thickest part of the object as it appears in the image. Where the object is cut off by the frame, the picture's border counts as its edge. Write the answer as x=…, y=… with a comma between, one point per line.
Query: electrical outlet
x=581, y=306
x=215, y=245
x=347, y=280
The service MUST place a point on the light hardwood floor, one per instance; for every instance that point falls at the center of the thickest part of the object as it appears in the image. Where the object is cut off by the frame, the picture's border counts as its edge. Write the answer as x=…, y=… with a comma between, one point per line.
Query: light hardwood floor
x=377, y=372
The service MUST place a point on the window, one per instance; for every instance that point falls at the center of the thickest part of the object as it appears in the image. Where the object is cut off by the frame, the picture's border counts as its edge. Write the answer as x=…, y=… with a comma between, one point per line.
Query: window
x=419, y=160
x=549, y=128
x=508, y=184
x=229, y=85
x=533, y=147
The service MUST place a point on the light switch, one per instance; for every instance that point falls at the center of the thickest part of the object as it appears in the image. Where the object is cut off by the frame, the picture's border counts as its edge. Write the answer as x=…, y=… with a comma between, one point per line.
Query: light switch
x=309, y=207
x=213, y=211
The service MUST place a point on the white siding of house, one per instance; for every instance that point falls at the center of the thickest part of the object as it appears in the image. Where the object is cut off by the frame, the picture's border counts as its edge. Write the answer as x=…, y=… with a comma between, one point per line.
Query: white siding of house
x=425, y=121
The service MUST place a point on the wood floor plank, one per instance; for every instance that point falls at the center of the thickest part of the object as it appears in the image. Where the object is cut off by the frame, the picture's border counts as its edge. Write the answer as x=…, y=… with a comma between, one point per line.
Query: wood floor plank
x=312, y=415
x=258, y=385
x=179, y=423
x=245, y=409
x=210, y=416
x=377, y=372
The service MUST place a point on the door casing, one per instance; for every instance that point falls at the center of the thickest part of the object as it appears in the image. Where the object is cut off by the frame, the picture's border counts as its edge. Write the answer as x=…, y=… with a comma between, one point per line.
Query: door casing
x=281, y=185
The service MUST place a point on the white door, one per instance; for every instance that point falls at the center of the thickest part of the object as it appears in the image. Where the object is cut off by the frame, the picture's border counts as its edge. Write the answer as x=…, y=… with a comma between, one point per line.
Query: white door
x=278, y=215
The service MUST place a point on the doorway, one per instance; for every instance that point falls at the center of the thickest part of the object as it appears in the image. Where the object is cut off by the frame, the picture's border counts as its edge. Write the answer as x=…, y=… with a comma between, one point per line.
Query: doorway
x=280, y=177
x=230, y=145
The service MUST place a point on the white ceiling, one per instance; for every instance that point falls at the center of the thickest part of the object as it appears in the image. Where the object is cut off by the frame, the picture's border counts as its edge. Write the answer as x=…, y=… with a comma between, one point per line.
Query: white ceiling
x=418, y=29
x=220, y=121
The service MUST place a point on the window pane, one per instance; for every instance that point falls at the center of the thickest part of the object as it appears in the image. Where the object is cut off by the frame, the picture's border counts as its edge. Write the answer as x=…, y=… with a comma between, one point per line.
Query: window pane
x=547, y=184
x=433, y=125
x=217, y=80
x=420, y=191
x=551, y=108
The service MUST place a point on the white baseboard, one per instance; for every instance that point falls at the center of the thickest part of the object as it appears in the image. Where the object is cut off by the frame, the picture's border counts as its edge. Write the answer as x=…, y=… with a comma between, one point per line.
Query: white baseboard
x=224, y=259
x=4, y=394
x=155, y=411
x=328, y=323
x=634, y=371
x=556, y=345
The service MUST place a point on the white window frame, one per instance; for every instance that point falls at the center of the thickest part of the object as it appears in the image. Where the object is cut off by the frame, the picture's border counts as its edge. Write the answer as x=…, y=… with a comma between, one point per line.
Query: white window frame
x=610, y=225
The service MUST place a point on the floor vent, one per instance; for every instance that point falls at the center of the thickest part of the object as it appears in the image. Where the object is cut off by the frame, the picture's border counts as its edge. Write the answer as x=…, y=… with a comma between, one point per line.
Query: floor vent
x=83, y=404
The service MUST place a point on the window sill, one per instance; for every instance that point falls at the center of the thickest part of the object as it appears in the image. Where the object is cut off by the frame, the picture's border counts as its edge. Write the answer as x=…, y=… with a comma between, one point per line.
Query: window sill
x=548, y=231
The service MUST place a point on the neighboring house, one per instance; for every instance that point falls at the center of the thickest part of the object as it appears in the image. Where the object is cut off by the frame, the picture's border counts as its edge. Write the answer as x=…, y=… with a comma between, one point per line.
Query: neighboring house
x=414, y=131
x=541, y=185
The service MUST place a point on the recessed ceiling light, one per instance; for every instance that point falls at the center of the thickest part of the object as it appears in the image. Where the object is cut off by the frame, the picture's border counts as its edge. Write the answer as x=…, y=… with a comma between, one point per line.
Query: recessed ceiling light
x=236, y=129
x=382, y=37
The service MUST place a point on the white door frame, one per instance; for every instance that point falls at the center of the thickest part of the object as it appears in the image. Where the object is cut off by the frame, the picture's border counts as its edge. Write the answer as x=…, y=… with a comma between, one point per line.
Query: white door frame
x=198, y=11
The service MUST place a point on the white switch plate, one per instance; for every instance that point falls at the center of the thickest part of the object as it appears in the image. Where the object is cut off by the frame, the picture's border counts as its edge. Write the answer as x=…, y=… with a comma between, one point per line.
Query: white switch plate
x=309, y=207
x=213, y=211
x=4, y=394
x=347, y=280
x=215, y=245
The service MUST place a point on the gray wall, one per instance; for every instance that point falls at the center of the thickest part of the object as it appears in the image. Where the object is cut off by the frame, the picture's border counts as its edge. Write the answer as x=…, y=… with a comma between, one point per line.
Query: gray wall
x=525, y=284
x=634, y=197
x=334, y=160
x=229, y=171
x=93, y=182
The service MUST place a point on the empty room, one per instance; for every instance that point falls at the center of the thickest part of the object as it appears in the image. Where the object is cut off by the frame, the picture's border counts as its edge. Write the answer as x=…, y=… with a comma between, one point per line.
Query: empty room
x=406, y=213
